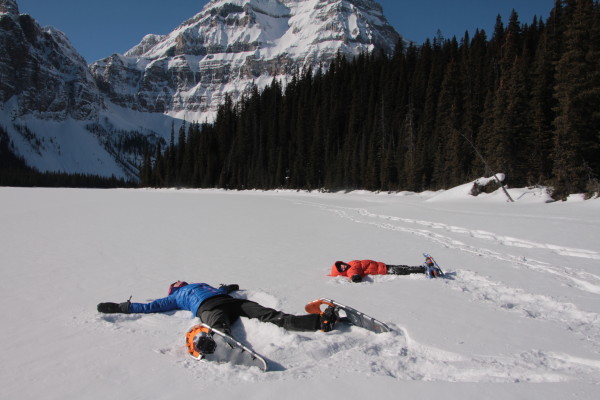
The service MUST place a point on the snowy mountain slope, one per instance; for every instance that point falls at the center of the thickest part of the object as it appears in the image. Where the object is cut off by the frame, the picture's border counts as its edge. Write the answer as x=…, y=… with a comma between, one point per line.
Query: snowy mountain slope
x=517, y=316
x=46, y=96
x=87, y=147
x=40, y=69
x=53, y=111
x=9, y=7
x=63, y=115
x=231, y=45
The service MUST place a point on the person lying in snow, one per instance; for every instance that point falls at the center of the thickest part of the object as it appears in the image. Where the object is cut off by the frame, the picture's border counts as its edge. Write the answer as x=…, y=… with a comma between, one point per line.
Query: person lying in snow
x=216, y=308
x=356, y=270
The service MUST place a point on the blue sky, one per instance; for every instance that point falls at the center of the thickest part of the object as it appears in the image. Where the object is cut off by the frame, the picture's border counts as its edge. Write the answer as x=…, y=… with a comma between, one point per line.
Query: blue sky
x=98, y=29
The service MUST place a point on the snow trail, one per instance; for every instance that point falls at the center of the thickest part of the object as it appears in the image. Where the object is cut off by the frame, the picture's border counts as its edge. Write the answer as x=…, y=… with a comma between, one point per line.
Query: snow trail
x=530, y=305
x=579, y=279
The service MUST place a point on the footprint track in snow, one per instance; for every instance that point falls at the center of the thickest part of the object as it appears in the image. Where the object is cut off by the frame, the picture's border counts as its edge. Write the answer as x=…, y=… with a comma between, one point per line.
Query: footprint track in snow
x=502, y=296
x=428, y=363
x=581, y=280
x=485, y=235
x=529, y=305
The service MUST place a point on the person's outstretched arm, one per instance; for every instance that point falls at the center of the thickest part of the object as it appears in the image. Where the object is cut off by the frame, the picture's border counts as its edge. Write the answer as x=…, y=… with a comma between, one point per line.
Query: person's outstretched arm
x=168, y=303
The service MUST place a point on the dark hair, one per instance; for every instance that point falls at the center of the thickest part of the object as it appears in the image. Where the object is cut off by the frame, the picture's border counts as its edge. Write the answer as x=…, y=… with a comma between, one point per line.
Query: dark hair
x=172, y=287
x=341, y=266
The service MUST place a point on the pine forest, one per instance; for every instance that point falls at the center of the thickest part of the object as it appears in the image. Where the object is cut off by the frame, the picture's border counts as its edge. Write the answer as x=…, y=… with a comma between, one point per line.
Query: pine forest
x=523, y=100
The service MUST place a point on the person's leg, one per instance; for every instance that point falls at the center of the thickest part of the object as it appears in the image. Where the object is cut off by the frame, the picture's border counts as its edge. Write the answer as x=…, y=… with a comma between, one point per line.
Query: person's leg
x=309, y=322
x=405, y=269
x=219, y=318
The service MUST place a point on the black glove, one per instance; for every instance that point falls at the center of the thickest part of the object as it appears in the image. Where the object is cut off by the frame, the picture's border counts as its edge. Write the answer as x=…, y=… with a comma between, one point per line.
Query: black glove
x=113, y=308
x=356, y=278
x=230, y=288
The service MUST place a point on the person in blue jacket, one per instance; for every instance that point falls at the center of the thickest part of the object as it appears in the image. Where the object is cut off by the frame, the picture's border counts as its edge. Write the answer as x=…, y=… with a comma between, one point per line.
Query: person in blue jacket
x=215, y=307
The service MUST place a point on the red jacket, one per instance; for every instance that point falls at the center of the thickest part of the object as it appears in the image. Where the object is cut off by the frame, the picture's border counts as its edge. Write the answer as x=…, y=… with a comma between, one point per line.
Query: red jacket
x=358, y=267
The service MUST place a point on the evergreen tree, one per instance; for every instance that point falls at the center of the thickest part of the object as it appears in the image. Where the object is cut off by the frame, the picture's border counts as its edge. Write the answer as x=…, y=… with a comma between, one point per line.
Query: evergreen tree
x=543, y=102
x=577, y=122
x=406, y=122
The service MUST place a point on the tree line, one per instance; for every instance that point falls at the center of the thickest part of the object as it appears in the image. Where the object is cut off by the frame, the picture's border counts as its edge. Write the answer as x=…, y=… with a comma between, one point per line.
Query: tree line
x=524, y=101
x=527, y=99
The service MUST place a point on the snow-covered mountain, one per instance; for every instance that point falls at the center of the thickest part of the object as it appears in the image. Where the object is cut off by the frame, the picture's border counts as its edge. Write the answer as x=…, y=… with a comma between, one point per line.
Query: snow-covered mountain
x=63, y=115
x=51, y=107
x=42, y=71
x=232, y=44
x=9, y=7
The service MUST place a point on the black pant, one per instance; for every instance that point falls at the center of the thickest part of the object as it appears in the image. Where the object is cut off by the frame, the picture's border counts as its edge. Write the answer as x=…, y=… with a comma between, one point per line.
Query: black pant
x=405, y=270
x=220, y=312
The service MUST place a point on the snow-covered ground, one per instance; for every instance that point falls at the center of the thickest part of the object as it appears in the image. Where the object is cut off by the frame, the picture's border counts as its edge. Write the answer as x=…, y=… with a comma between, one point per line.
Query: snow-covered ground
x=518, y=315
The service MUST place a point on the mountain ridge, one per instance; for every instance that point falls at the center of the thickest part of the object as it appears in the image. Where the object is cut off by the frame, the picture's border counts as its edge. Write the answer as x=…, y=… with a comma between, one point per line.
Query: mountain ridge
x=63, y=114
x=231, y=45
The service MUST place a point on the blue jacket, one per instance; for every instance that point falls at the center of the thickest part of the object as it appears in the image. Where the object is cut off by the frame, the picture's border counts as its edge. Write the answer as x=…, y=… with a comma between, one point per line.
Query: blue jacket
x=188, y=297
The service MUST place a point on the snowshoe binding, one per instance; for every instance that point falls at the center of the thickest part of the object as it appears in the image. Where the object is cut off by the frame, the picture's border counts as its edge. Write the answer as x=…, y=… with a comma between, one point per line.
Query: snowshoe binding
x=328, y=318
x=207, y=344
x=343, y=314
x=433, y=270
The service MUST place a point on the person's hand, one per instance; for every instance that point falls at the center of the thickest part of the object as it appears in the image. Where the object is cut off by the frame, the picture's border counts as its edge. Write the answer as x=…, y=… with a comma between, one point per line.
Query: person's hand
x=230, y=288
x=114, y=308
x=356, y=278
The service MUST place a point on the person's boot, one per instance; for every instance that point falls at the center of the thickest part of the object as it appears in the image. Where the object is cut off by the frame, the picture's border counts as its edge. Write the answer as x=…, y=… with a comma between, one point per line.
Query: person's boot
x=328, y=319
x=432, y=270
x=206, y=344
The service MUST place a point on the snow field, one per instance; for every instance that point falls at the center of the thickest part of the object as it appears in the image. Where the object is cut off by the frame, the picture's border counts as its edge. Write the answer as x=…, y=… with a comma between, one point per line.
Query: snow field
x=516, y=317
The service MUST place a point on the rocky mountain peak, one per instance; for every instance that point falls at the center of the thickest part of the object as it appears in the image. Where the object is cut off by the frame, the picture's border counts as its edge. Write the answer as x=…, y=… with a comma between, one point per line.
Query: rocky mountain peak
x=41, y=72
x=9, y=7
x=115, y=108
x=232, y=45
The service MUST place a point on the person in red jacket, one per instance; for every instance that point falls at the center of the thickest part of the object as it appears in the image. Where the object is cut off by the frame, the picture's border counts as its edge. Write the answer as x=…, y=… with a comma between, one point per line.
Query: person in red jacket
x=356, y=270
